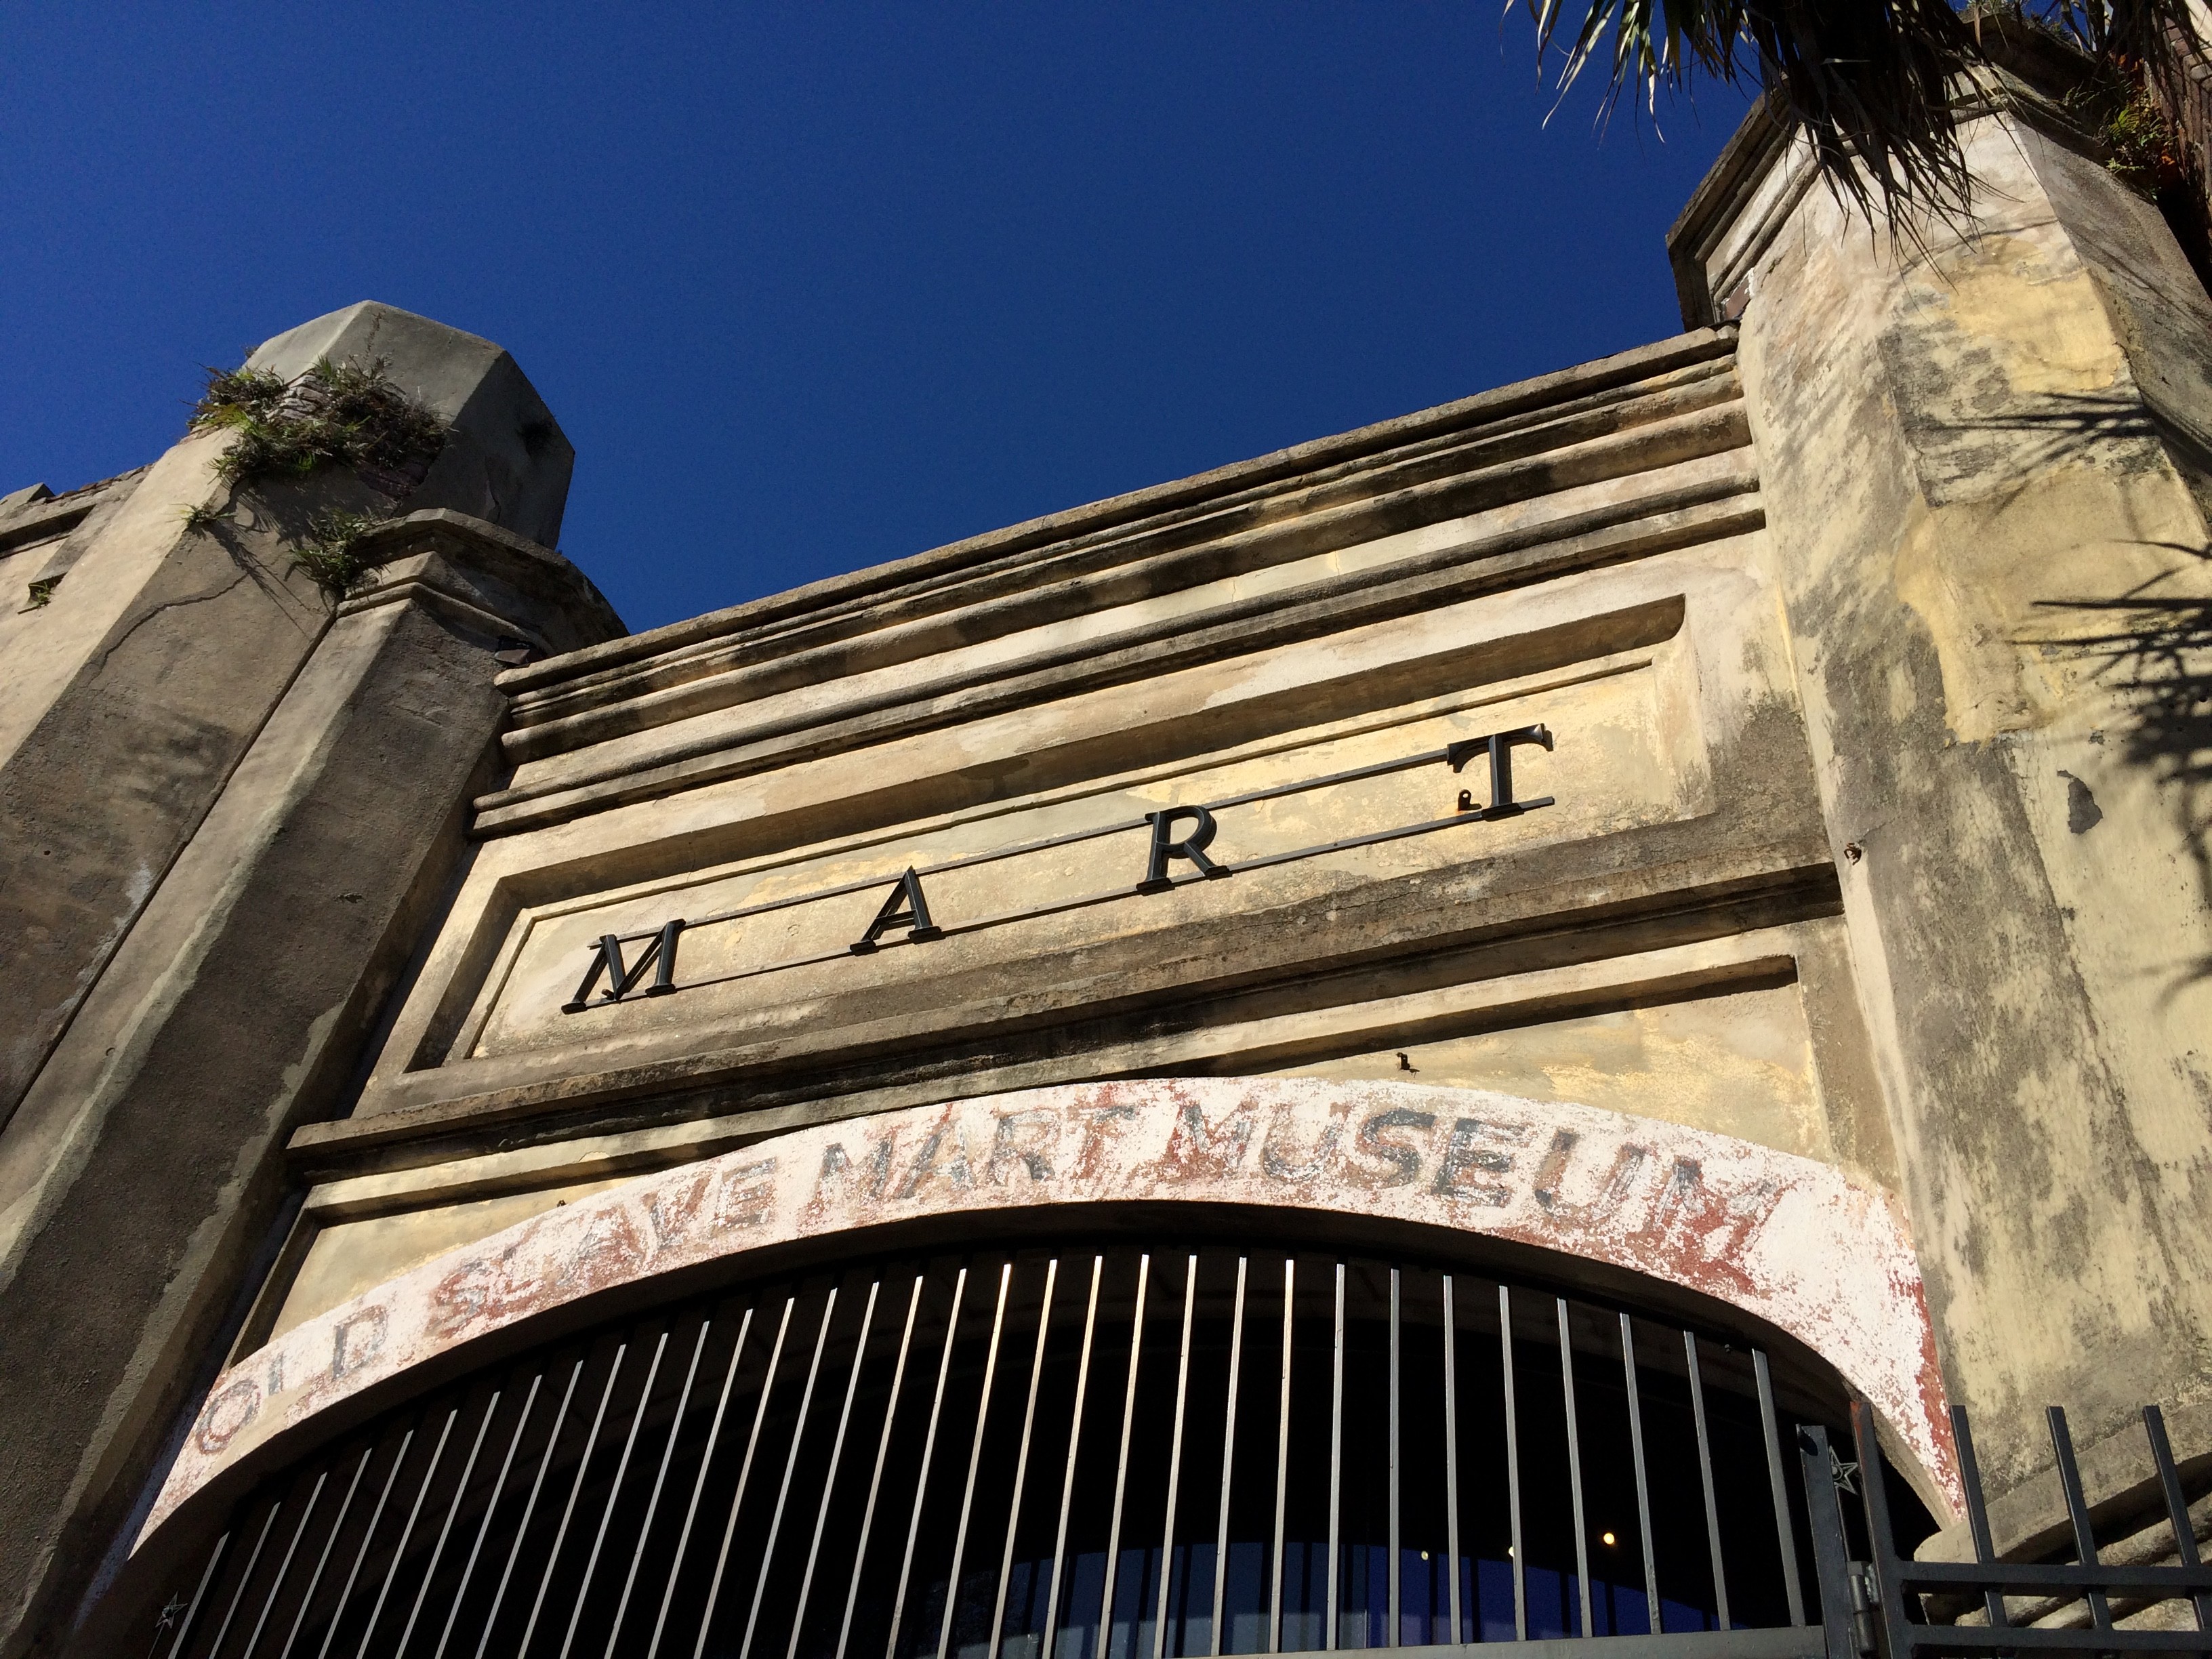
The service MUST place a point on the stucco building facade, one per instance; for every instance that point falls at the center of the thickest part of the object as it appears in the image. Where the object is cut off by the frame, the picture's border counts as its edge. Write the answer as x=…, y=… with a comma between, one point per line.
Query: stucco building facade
x=1329, y=1055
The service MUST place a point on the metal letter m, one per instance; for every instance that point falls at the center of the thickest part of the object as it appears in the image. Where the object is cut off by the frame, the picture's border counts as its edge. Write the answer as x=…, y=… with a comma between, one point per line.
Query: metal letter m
x=607, y=959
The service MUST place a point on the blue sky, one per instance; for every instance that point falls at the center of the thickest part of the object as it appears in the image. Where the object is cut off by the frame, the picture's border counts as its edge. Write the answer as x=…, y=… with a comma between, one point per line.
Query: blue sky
x=817, y=285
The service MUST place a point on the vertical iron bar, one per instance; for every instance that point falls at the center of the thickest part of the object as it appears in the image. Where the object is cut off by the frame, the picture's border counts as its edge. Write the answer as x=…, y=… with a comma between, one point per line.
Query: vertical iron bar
x=836, y=1457
x=246, y=1577
x=1896, y=1630
x=337, y=1525
x=790, y=1462
x=521, y=1528
x=399, y=1549
x=2177, y=1505
x=1575, y=1470
x=882, y=1449
x=1642, y=1488
x=1451, y=1456
x=2078, y=1509
x=660, y=1480
x=446, y=1527
x=1513, y=1466
x=1831, y=1566
x=1121, y=1466
x=1978, y=1514
x=1228, y=1457
x=698, y=1486
x=361, y=1553
x=1706, y=1477
x=744, y=1472
x=1784, y=1530
x=1335, y=1460
x=1282, y=1457
x=483, y=1526
x=928, y=1452
x=1175, y=1459
x=568, y=1509
x=1068, y=1481
x=974, y=1461
x=199, y=1591
x=1021, y=1458
x=1393, y=1638
x=284, y=1567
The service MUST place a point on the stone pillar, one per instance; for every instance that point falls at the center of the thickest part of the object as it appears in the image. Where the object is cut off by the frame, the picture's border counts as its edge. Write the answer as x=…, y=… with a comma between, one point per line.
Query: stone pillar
x=1983, y=460
x=175, y=629
x=223, y=834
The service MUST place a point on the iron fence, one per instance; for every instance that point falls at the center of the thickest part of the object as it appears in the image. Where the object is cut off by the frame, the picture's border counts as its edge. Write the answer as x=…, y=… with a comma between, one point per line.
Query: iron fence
x=1900, y=1607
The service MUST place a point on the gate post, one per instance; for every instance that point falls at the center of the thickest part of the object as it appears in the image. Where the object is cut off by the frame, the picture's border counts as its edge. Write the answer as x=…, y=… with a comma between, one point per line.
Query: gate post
x=1831, y=1555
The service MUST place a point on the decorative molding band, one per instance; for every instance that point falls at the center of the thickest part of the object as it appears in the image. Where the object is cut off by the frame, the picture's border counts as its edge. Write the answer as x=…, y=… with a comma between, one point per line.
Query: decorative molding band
x=1018, y=549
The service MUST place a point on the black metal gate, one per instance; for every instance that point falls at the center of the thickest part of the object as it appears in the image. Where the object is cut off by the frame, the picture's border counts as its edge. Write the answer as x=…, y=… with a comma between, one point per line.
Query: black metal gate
x=1116, y=1452
x=1119, y=1452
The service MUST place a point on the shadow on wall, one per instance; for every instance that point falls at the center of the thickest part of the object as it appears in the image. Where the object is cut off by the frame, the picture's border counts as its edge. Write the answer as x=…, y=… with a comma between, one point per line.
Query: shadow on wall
x=2061, y=426
x=2157, y=654
x=2151, y=646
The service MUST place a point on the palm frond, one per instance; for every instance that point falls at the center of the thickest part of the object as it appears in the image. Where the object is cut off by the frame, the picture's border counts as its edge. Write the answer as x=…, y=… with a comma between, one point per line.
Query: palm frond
x=1873, y=84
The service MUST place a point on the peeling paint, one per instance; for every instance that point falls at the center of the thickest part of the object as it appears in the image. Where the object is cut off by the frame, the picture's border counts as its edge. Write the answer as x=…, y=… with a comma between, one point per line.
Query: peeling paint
x=1784, y=1238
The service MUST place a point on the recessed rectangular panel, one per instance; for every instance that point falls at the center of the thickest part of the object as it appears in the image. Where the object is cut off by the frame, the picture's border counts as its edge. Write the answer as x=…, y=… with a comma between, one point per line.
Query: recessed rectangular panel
x=1581, y=752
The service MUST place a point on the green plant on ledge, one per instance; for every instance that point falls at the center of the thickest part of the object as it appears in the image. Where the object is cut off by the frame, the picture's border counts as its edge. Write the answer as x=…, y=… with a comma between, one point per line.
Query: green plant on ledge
x=348, y=413
x=331, y=552
x=2116, y=105
x=2146, y=152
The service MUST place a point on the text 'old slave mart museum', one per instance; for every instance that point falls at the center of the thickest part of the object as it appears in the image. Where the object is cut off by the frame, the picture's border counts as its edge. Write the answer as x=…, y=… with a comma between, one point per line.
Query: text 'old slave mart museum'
x=1558, y=1021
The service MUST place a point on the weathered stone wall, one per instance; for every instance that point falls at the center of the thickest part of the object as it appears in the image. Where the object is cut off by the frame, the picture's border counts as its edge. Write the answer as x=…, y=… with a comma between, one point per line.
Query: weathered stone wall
x=179, y=623
x=1652, y=939
x=1983, y=463
x=1577, y=561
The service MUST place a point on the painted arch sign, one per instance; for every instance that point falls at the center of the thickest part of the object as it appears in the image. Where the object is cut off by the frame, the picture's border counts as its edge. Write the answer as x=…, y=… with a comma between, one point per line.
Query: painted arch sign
x=1786, y=1238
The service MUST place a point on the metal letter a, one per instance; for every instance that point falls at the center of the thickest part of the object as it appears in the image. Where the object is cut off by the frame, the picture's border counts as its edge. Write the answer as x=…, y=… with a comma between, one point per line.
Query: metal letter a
x=906, y=908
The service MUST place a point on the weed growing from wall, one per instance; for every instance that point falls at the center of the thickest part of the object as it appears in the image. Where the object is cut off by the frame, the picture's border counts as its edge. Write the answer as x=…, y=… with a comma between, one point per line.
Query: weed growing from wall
x=337, y=414
x=346, y=414
x=2143, y=148
x=331, y=552
x=2146, y=151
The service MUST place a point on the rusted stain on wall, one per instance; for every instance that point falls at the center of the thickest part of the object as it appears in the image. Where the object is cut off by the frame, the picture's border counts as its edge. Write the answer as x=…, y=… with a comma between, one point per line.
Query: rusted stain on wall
x=1784, y=1238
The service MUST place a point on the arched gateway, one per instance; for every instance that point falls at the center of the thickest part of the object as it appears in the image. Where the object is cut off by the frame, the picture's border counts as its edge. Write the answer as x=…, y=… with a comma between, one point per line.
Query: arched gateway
x=1159, y=1368
x=1357, y=1049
